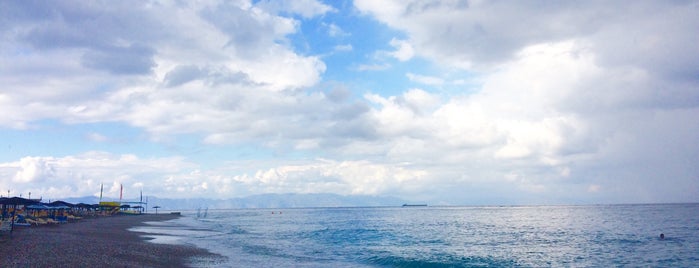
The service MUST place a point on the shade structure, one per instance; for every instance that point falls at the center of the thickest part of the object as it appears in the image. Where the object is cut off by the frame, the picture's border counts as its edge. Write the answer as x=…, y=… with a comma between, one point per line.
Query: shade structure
x=38, y=206
x=14, y=202
x=87, y=206
x=17, y=201
x=47, y=206
x=61, y=203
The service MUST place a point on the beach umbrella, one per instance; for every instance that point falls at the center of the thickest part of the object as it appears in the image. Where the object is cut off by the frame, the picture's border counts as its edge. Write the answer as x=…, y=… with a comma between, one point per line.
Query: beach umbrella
x=38, y=207
x=14, y=202
x=156, y=209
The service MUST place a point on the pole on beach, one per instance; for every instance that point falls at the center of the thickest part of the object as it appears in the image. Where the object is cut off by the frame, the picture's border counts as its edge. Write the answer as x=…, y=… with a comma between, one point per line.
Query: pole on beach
x=12, y=219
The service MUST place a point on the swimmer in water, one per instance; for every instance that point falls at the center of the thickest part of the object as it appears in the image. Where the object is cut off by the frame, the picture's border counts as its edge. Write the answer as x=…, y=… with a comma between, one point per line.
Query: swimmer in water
x=662, y=236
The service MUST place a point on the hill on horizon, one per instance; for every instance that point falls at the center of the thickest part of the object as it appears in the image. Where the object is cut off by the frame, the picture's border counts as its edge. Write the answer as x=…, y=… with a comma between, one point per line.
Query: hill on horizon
x=289, y=200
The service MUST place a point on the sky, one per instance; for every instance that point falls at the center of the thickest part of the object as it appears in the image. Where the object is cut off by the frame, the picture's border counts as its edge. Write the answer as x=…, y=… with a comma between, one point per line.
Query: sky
x=447, y=102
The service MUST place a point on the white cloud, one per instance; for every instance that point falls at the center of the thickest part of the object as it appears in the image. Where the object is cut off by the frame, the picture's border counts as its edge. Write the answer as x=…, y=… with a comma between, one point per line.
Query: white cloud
x=557, y=102
x=97, y=137
x=34, y=169
x=404, y=50
x=335, y=31
x=305, y=8
x=427, y=80
x=563, y=87
x=347, y=47
x=346, y=177
x=81, y=175
x=484, y=33
x=593, y=188
x=373, y=67
x=217, y=48
x=548, y=113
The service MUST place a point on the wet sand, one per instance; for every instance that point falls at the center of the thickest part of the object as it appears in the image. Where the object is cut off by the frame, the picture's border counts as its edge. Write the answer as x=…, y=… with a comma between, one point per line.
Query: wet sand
x=94, y=242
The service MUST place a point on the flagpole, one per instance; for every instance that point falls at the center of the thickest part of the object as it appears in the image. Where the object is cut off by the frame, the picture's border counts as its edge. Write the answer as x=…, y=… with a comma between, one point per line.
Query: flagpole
x=141, y=201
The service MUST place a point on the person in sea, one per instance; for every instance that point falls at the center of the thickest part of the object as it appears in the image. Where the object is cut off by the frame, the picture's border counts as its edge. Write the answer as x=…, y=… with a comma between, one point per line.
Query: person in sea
x=662, y=236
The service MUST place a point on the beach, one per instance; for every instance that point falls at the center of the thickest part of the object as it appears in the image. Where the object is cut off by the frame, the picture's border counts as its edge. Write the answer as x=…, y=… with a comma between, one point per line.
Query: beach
x=96, y=241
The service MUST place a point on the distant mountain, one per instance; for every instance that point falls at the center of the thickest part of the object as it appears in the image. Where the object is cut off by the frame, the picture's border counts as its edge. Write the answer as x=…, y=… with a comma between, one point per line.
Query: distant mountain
x=261, y=201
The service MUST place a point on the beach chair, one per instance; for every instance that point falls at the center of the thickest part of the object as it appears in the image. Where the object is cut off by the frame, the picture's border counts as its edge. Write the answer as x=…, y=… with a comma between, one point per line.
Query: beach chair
x=21, y=221
x=30, y=221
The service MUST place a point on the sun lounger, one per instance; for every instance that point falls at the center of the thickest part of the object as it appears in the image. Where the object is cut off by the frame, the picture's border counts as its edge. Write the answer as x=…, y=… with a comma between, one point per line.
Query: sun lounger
x=23, y=224
x=30, y=221
x=21, y=221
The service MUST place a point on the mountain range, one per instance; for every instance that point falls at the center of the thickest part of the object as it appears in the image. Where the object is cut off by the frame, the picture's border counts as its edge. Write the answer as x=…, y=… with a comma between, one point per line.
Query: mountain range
x=289, y=200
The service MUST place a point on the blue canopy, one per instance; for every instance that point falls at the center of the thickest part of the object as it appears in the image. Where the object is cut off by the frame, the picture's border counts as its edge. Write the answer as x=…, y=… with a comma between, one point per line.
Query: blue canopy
x=38, y=206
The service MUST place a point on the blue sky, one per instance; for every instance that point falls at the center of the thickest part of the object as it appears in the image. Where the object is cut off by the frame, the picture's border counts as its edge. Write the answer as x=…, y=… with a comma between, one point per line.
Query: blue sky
x=446, y=102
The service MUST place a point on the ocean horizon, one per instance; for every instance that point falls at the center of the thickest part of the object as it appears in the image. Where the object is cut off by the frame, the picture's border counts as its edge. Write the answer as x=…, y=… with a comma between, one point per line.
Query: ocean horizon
x=442, y=236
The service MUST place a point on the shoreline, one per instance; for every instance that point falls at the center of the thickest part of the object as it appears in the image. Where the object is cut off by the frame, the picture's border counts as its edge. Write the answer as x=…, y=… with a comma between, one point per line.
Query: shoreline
x=97, y=241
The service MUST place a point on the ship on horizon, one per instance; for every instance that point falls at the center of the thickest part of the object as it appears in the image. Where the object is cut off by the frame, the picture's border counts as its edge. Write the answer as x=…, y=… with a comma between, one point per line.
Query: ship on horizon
x=414, y=205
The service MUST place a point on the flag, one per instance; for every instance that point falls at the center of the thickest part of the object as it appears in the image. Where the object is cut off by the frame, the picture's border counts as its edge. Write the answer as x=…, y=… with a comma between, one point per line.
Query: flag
x=101, y=189
x=121, y=192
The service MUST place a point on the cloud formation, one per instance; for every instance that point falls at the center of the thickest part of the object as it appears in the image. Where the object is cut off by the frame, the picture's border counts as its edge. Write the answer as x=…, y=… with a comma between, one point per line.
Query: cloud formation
x=519, y=102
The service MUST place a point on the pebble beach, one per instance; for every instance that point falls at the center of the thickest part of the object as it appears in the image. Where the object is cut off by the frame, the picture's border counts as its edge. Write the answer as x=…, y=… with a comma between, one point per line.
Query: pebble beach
x=94, y=242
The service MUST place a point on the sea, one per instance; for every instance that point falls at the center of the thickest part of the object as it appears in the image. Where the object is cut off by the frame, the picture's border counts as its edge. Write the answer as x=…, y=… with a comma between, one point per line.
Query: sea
x=490, y=236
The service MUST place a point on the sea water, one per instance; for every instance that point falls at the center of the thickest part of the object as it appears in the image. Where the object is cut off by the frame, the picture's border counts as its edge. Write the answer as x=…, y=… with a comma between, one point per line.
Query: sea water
x=521, y=236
